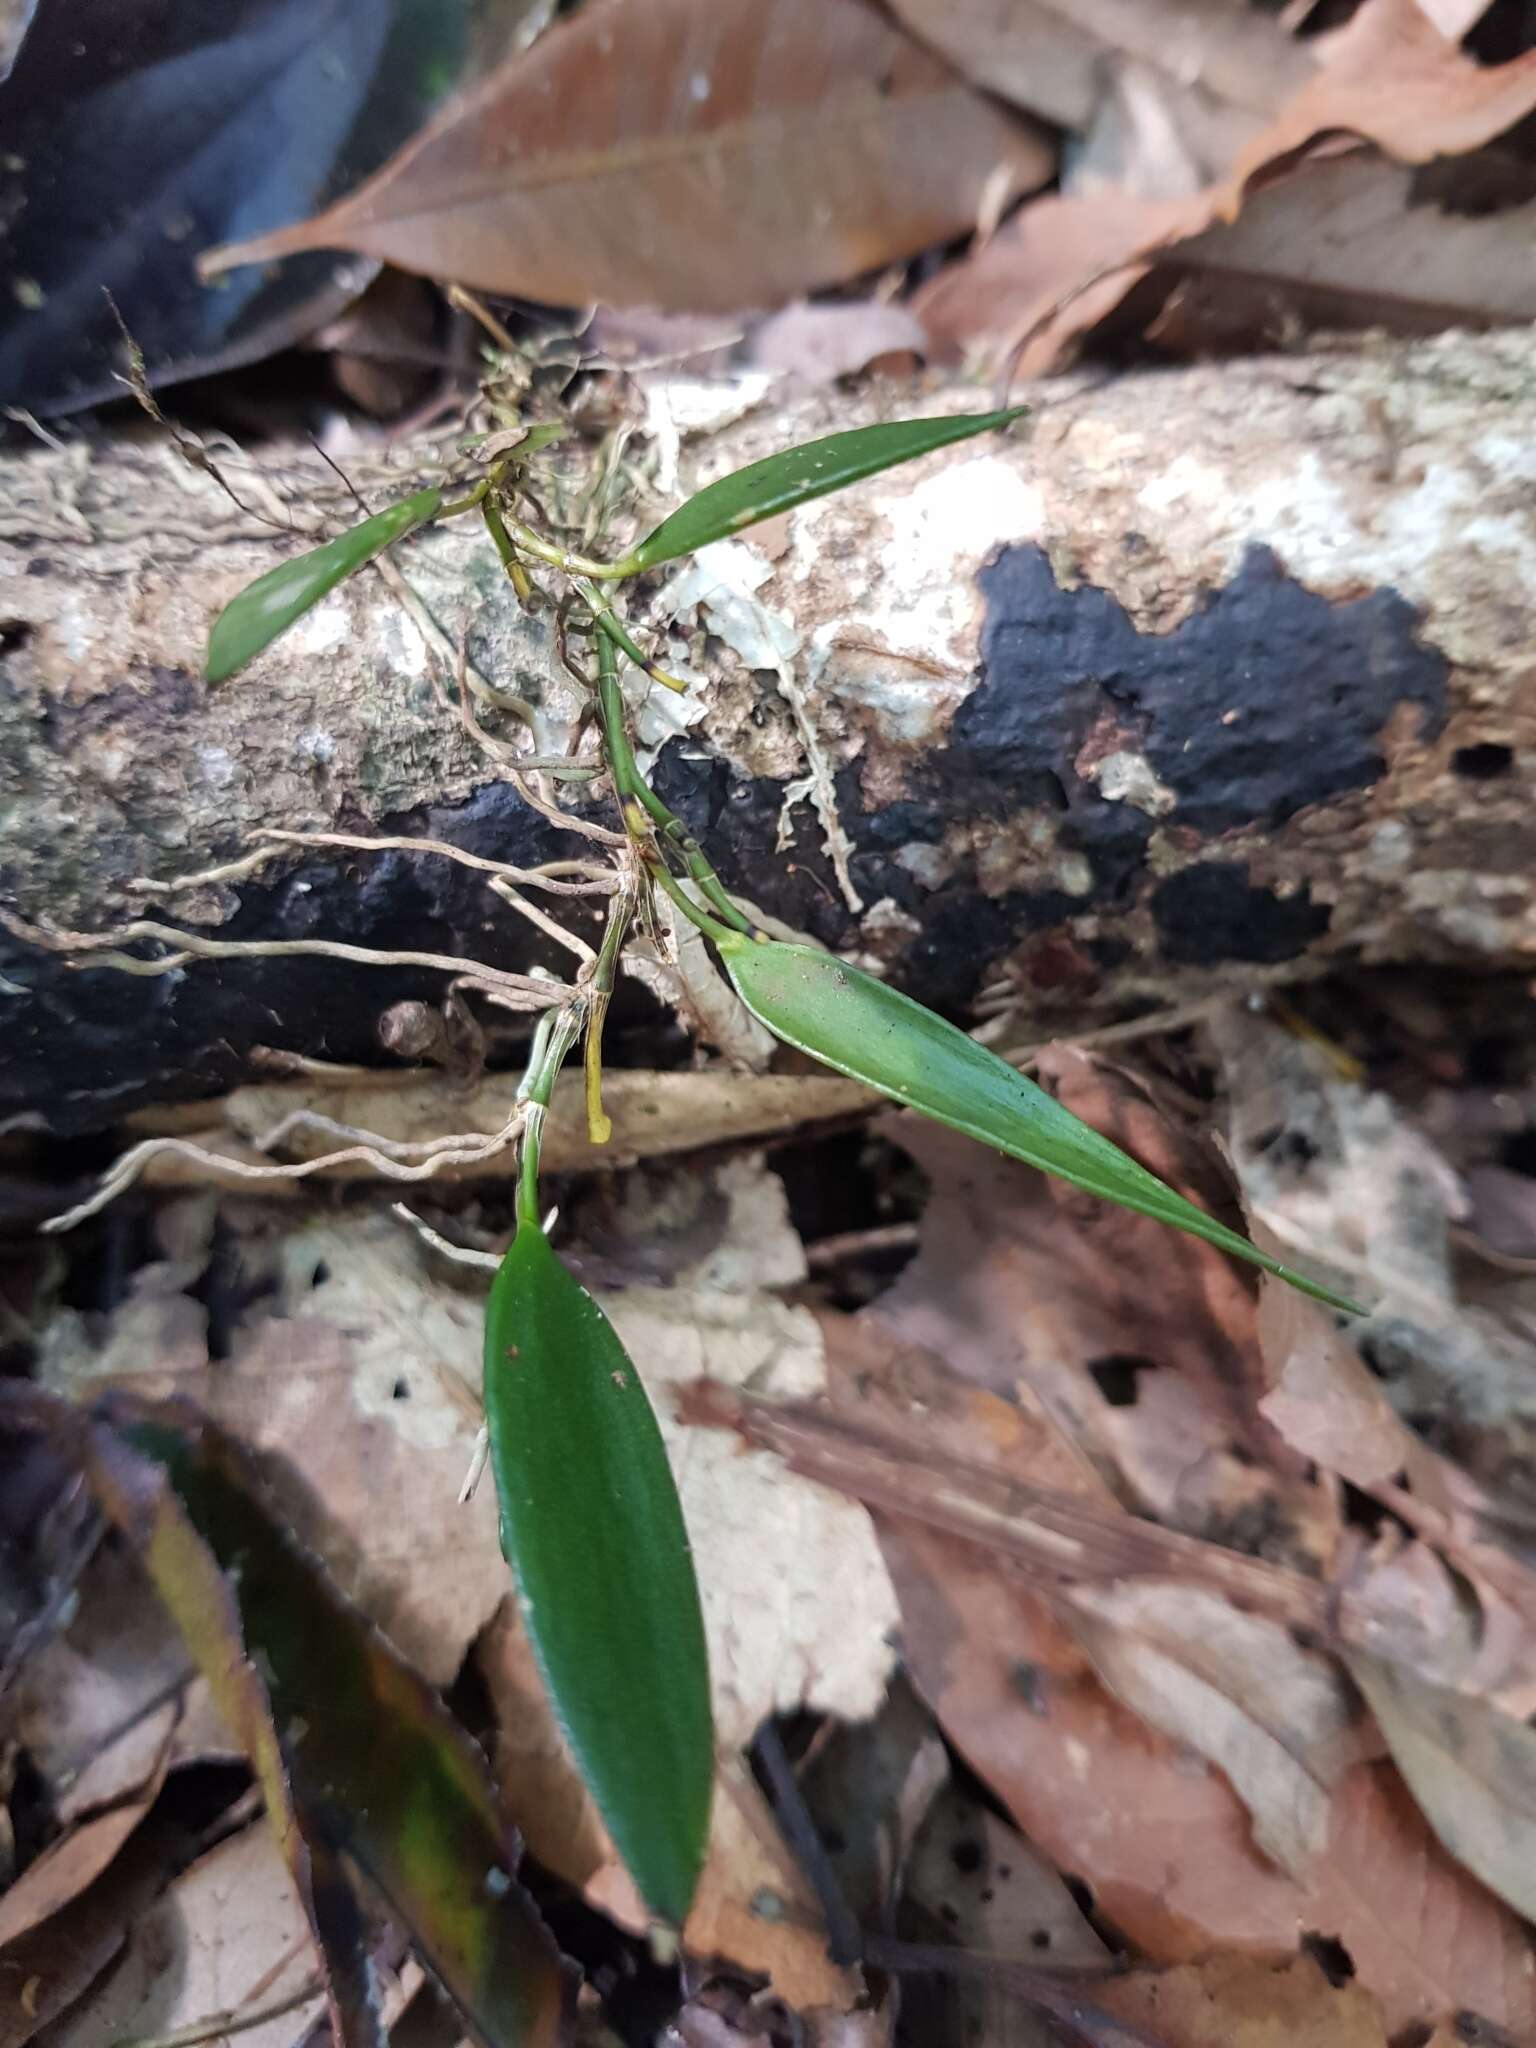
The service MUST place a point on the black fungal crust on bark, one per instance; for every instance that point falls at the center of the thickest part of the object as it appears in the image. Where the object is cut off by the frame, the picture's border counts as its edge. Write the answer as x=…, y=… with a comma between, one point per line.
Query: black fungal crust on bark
x=1266, y=700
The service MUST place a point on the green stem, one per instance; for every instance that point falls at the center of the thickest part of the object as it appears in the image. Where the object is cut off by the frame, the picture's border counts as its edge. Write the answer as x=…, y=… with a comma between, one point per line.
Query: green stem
x=726, y=937
x=473, y=498
x=495, y=525
x=558, y=558
x=552, y=1040
x=608, y=622
x=632, y=787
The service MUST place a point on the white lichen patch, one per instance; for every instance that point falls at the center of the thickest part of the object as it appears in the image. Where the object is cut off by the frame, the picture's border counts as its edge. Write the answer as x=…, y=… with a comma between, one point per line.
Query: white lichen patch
x=328, y=625
x=216, y=766
x=940, y=531
x=1127, y=777
x=401, y=648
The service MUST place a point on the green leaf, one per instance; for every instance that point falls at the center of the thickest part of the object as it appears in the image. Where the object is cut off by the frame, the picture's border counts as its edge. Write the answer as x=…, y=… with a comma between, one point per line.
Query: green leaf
x=270, y=605
x=874, y=1034
x=356, y=1755
x=593, y=1528
x=797, y=475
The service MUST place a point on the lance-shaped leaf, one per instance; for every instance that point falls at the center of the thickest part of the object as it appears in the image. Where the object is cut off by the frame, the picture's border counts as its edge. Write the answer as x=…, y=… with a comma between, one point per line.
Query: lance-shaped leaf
x=593, y=1528
x=876, y=1035
x=795, y=476
x=270, y=605
x=356, y=1755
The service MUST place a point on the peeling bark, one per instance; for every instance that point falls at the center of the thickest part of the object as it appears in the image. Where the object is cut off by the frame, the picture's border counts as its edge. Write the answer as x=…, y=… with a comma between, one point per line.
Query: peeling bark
x=1218, y=676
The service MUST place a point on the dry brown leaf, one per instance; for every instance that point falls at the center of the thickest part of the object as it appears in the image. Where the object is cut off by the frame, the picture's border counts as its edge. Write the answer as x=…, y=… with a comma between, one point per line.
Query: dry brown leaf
x=80, y=1855
x=229, y=1932
x=700, y=157
x=1139, y=1348
x=1236, y=1689
x=1390, y=78
x=362, y=1381
x=88, y=1703
x=1164, y=1843
x=1345, y=242
x=1471, y=1768
x=1159, y=1836
x=819, y=344
x=1052, y=56
x=50, y=1968
x=1237, y=2001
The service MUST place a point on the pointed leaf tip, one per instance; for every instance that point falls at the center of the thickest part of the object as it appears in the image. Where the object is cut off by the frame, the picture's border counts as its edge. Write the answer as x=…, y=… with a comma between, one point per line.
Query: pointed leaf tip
x=796, y=475
x=874, y=1034
x=271, y=604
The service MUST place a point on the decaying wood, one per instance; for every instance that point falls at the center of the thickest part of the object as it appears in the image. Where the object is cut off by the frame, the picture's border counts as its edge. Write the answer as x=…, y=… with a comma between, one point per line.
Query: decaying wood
x=1213, y=676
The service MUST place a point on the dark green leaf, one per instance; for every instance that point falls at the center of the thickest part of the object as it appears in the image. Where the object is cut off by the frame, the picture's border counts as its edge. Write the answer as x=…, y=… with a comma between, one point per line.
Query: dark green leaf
x=872, y=1033
x=797, y=475
x=593, y=1528
x=353, y=1750
x=270, y=605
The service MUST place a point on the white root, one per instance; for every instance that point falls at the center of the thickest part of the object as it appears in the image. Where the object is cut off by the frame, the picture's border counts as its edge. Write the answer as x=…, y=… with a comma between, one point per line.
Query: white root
x=464, y=1149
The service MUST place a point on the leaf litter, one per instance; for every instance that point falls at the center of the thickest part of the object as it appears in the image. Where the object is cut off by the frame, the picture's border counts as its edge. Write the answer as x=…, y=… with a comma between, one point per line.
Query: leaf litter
x=1183, y=1734
x=1119, y=1494
x=1153, y=1686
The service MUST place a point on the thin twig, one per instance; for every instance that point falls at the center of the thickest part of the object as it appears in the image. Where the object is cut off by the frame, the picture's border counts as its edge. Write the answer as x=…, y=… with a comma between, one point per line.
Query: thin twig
x=845, y=1941
x=460, y=1254
x=235, y=2021
x=857, y=1244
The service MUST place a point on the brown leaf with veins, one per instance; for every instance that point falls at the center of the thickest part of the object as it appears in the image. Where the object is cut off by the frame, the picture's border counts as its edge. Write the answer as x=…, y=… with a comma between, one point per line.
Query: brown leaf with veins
x=697, y=155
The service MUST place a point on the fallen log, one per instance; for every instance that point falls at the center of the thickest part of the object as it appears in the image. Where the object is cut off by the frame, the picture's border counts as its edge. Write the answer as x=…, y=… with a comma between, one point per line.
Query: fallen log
x=1211, y=677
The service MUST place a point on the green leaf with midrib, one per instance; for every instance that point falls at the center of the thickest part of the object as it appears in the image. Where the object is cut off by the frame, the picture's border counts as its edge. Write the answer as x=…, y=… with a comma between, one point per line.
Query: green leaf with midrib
x=796, y=475
x=594, y=1530
x=873, y=1033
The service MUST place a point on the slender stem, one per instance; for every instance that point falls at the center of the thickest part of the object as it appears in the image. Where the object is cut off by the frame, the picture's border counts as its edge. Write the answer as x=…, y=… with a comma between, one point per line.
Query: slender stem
x=551, y=1042
x=633, y=788
x=724, y=935
x=558, y=558
x=599, y=990
x=496, y=527
x=467, y=503
x=608, y=621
